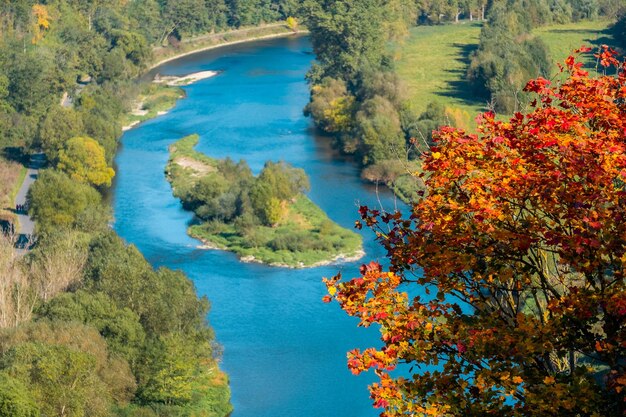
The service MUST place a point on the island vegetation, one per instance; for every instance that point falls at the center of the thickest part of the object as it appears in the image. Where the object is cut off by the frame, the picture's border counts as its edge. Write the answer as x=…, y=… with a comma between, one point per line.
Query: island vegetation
x=264, y=219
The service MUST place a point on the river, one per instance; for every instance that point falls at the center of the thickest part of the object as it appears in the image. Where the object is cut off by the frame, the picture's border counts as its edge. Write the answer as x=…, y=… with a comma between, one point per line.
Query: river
x=284, y=350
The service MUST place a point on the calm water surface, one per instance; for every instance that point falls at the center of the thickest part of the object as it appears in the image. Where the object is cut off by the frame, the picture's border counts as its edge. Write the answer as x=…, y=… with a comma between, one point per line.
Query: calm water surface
x=284, y=349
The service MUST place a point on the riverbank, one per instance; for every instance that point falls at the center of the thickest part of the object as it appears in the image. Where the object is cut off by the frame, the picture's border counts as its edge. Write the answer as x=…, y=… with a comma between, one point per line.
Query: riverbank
x=154, y=100
x=264, y=219
x=157, y=101
x=203, y=43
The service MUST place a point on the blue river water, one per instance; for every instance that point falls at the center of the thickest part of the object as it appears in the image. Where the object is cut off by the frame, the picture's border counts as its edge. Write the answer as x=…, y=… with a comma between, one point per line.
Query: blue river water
x=284, y=350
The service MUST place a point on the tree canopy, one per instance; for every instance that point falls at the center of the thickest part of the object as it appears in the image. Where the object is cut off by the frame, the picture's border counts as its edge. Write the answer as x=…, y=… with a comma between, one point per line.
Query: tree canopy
x=518, y=247
x=82, y=158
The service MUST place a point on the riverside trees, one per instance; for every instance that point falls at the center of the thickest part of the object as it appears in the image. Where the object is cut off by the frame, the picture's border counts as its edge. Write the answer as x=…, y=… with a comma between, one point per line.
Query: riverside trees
x=75, y=338
x=519, y=244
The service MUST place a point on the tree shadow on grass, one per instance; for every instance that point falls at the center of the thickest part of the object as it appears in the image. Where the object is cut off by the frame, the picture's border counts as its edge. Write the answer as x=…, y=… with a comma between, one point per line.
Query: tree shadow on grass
x=460, y=88
x=594, y=40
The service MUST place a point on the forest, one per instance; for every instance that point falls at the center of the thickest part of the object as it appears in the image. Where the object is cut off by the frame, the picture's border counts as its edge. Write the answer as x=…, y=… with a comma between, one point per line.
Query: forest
x=89, y=328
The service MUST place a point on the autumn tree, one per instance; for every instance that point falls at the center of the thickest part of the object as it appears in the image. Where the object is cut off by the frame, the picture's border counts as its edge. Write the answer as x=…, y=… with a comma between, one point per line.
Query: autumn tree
x=505, y=291
x=83, y=159
x=41, y=22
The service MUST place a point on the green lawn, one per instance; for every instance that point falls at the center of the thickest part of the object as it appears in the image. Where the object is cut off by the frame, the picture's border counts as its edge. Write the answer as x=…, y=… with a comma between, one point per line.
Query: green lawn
x=433, y=62
x=563, y=39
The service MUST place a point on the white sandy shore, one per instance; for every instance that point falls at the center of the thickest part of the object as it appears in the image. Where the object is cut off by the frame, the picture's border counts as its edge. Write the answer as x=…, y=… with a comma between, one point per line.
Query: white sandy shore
x=179, y=81
x=172, y=81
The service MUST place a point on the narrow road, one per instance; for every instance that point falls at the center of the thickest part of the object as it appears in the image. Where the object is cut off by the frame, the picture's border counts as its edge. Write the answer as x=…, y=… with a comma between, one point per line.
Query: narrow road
x=26, y=224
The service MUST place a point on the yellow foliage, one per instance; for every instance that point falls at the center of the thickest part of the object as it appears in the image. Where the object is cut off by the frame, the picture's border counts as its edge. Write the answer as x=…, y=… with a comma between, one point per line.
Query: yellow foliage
x=42, y=22
x=83, y=160
x=338, y=116
x=292, y=23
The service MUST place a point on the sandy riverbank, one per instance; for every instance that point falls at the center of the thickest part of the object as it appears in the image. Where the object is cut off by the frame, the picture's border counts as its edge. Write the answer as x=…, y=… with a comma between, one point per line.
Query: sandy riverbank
x=339, y=259
x=170, y=81
x=180, y=81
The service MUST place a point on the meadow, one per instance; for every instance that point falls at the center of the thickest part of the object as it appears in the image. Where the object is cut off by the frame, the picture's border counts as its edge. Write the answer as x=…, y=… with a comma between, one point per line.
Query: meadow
x=432, y=61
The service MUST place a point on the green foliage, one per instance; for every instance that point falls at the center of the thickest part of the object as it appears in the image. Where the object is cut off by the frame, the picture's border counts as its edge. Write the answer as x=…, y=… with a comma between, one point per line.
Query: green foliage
x=266, y=218
x=57, y=126
x=60, y=378
x=331, y=106
x=507, y=57
x=120, y=327
x=305, y=237
x=171, y=371
x=346, y=36
x=57, y=201
x=66, y=367
x=164, y=300
x=101, y=110
x=420, y=129
x=378, y=126
x=15, y=398
x=82, y=158
x=172, y=349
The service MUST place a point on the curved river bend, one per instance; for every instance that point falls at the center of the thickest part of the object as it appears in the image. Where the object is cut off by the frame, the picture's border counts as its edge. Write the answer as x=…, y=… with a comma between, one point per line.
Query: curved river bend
x=284, y=349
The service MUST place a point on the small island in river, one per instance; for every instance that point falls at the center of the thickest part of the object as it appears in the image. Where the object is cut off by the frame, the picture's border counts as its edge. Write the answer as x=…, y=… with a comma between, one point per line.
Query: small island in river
x=264, y=219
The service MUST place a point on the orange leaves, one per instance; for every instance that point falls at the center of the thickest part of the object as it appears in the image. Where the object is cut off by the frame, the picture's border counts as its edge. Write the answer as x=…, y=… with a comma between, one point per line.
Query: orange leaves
x=516, y=255
x=549, y=380
x=606, y=57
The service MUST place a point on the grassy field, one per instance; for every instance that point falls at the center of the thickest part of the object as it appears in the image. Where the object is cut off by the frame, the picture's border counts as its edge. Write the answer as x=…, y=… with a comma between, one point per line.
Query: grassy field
x=303, y=237
x=563, y=39
x=432, y=63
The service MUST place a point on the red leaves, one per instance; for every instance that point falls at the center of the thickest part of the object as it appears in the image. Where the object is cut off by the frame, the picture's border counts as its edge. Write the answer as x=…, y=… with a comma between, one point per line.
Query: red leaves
x=606, y=57
x=540, y=85
x=518, y=248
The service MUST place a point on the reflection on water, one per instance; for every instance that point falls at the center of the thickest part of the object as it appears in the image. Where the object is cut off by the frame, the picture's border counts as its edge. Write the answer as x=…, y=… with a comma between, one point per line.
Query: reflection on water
x=284, y=350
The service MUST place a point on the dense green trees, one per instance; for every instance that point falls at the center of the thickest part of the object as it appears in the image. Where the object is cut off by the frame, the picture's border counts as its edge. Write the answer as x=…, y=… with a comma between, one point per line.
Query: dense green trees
x=47, y=46
x=228, y=192
x=508, y=55
x=15, y=399
x=346, y=36
x=355, y=94
x=58, y=201
x=356, y=97
x=123, y=333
